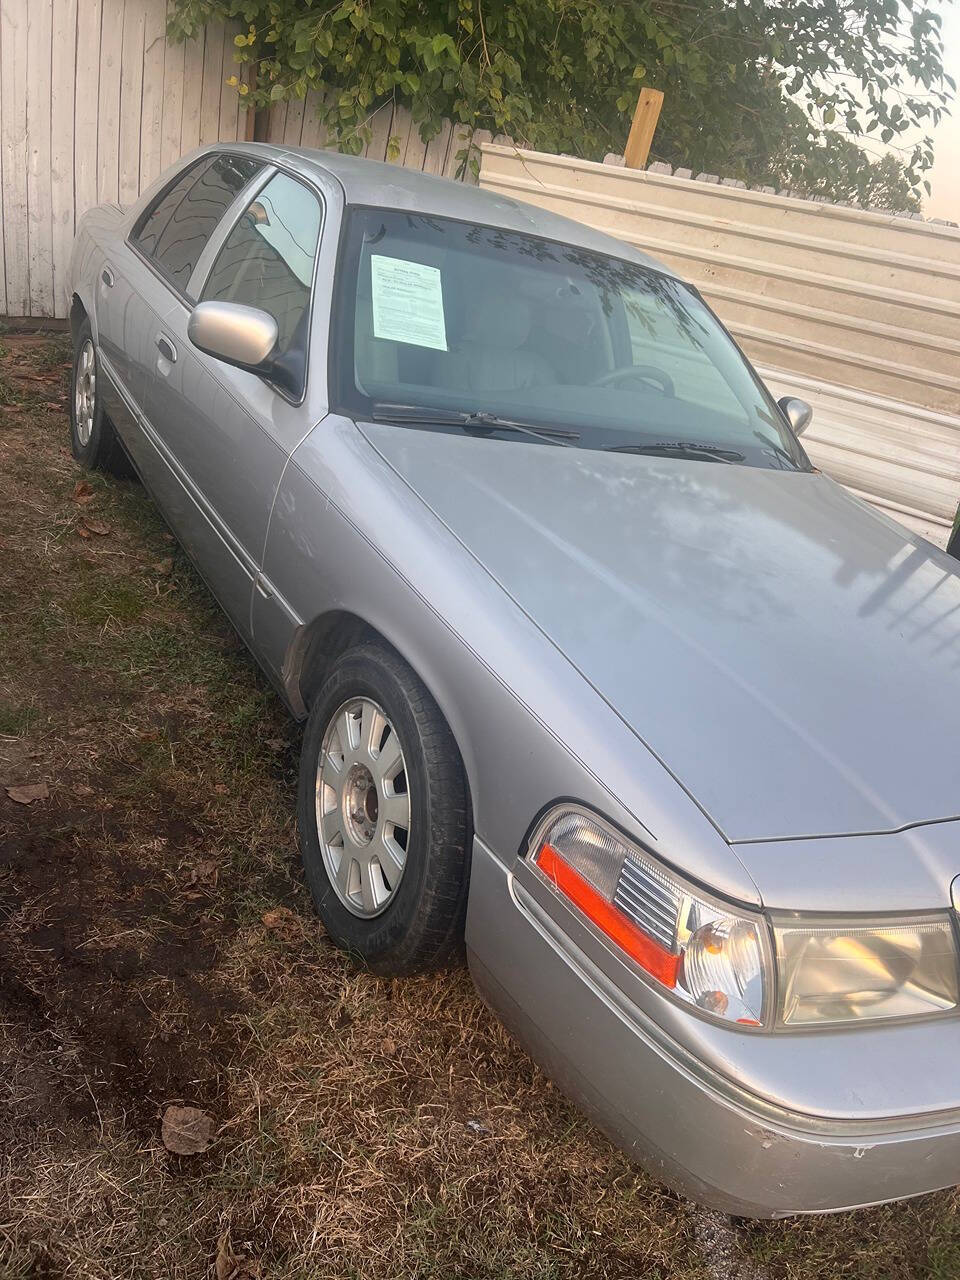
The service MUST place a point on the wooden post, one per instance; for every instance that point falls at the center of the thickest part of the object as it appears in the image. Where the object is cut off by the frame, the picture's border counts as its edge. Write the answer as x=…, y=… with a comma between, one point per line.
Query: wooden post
x=643, y=128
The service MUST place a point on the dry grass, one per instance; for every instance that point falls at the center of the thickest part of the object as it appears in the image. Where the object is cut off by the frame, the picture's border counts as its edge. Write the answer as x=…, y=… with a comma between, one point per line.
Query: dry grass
x=363, y=1128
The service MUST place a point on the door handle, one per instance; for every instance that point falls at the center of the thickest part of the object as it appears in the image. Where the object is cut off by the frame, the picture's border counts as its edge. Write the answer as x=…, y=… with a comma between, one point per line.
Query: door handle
x=106, y=275
x=166, y=348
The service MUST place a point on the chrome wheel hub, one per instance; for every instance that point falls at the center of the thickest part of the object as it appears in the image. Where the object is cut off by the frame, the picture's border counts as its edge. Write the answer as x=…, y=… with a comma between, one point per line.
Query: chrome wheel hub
x=363, y=806
x=85, y=392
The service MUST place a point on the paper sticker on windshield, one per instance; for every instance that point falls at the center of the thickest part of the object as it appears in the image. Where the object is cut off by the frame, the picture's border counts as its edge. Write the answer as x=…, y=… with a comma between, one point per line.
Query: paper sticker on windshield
x=407, y=302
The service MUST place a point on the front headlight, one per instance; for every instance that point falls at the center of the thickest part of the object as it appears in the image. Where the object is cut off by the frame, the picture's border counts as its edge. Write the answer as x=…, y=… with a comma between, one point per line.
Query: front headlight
x=718, y=958
x=708, y=954
x=854, y=971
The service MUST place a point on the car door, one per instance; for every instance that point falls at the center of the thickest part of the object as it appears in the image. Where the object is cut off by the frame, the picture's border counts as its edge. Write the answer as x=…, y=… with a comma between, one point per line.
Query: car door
x=229, y=431
x=127, y=292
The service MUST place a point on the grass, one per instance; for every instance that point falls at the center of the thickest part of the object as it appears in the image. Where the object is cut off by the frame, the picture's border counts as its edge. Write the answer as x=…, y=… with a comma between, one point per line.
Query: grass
x=363, y=1128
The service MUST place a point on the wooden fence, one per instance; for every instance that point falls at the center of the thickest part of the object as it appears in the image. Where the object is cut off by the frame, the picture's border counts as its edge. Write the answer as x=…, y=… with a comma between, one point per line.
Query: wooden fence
x=95, y=104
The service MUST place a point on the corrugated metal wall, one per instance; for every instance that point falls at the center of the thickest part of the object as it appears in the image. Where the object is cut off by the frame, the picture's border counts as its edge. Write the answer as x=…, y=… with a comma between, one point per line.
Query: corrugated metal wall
x=857, y=312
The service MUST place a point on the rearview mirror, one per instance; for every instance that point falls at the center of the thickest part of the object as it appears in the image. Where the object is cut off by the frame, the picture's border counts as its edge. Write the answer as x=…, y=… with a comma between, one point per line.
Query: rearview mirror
x=242, y=336
x=797, y=412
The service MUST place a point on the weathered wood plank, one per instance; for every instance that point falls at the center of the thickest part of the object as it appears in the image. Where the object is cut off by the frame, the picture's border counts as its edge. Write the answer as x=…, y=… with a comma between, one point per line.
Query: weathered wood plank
x=229, y=101
x=400, y=130
x=108, y=112
x=62, y=146
x=210, y=88
x=85, y=104
x=478, y=138
x=13, y=142
x=172, y=102
x=151, y=114
x=415, y=151
x=276, y=122
x=39, y=228
x=381, y=124
x=313, y=132
x=460, y=137
x=293, y=125
x=193, y=60
x=435, y=157
x=131, y=98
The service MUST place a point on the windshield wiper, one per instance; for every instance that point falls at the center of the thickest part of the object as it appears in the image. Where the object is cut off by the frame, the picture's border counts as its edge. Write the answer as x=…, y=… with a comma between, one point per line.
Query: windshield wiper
x=425, y=416
x=715, y=452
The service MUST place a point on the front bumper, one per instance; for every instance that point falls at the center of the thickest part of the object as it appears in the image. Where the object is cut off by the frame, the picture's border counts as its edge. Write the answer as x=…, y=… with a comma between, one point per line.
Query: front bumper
x=688, y=1125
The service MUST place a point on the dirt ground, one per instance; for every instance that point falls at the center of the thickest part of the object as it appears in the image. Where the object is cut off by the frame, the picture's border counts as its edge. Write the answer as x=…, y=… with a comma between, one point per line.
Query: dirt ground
x=157, y=947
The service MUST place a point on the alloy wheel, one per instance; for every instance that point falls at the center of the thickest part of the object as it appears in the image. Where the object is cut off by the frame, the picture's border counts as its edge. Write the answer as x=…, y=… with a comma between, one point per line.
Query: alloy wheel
x=363, y=806
x=85, y=392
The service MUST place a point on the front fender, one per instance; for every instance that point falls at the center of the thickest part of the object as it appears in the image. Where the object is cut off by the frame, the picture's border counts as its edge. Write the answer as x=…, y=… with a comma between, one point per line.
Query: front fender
x=348, y=535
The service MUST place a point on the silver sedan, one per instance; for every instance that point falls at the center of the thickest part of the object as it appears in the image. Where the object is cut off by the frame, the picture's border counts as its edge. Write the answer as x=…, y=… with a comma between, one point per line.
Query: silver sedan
x=598, y=673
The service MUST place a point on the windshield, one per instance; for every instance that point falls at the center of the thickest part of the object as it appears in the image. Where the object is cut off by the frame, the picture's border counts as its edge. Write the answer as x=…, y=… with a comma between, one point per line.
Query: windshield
x=454, y=317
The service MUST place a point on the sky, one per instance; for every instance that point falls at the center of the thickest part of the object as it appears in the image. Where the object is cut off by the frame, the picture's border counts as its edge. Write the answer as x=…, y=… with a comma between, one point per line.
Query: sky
x=944, y=199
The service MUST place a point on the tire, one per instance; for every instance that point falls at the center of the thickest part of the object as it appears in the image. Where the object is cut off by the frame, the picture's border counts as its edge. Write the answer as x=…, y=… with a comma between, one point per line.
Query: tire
x=93, y=440
x=414, y=923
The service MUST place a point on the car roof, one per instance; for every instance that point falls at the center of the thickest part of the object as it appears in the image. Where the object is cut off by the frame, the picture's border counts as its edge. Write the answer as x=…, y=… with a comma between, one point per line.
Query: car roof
x=391, y=186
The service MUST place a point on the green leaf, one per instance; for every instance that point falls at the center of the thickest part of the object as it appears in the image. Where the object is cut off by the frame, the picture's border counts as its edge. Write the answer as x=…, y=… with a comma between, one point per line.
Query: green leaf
x=742, y=77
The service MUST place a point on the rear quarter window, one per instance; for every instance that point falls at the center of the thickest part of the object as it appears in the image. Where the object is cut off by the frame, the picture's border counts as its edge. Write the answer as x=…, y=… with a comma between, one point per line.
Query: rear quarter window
x=175, y=230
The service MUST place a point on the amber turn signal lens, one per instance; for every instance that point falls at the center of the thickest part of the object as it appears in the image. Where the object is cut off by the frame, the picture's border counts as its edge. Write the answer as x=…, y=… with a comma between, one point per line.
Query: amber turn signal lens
x=659, y=962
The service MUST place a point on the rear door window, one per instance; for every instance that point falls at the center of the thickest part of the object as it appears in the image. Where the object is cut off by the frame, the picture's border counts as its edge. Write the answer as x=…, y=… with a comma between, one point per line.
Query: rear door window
x=177, y=228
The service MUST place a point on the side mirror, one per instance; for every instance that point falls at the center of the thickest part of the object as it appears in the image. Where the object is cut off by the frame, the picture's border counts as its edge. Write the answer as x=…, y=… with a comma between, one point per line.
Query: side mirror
x=242, y=336
x=797, y=412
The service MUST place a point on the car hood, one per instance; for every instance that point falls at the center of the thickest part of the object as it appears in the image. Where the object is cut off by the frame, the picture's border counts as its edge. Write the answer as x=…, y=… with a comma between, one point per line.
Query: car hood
x=789, y=654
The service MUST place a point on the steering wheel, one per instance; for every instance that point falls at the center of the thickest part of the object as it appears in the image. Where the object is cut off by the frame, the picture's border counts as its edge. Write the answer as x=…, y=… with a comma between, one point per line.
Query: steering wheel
x=643, y=372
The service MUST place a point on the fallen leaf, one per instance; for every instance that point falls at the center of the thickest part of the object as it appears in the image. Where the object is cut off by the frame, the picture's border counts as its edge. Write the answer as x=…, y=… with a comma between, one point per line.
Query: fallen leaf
x=220, y=789
x=229, y=1266
x=388, y=1047
x=281, y=920
x=164, y=567
x=83, y=531
x=53, y=404
x=186, y=1131
x=206, y=872
x=275, y=744
x=226, y=1266
x=29, y=792
x=97, y=527
x=83, y=492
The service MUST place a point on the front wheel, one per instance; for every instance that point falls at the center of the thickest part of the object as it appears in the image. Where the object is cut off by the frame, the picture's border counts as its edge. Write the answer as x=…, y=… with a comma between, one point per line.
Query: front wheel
x=383, y=815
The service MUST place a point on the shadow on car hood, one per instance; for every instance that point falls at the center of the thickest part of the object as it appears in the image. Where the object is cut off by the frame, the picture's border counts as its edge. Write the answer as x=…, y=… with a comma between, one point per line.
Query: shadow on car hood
x=791, y=656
